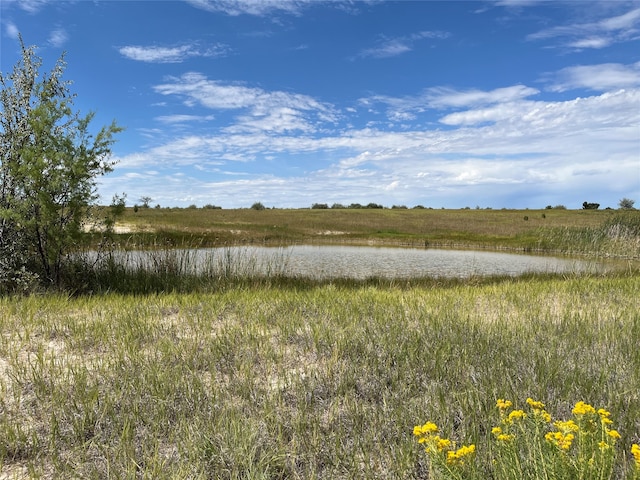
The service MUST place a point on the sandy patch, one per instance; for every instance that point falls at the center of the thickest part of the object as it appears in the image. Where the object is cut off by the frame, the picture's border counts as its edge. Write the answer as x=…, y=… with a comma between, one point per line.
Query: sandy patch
x=117, y=228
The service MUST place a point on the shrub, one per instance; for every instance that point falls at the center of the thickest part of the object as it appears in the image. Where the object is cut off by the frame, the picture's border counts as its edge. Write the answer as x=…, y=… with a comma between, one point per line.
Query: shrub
x=49, y=165
x=590, y=206
x=626, y=204
x=258, y=206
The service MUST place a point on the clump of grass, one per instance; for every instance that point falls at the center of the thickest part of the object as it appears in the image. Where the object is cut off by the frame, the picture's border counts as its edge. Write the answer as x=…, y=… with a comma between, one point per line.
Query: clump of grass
x=154, y=269
x=617, y=236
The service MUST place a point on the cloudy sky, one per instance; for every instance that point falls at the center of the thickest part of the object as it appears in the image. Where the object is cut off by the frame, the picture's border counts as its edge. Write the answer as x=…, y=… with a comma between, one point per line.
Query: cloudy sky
x=504, y=103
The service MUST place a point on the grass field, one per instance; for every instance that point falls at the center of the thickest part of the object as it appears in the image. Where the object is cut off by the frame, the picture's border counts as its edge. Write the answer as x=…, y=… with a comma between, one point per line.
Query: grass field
x=279, y=378
x=325, y=382
x=553, y=230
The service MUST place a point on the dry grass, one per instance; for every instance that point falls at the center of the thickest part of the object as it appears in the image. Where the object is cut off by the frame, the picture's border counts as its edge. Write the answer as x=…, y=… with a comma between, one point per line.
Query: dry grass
x=323, y=382
x=410, y=226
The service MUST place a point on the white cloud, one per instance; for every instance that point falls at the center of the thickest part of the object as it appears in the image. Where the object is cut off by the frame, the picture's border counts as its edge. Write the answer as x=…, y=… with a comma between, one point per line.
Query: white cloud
x=597, y=34
x=30, y=6
x=12, y=30
x=251, y=7
x=171, y=119
x=154, y=54
x=621, y=22
x=444, y=97
x=552, y=148
x=591, y=42
x=275, y=111
x=405, y=108
x=517, y=3
x=391, y=47
x=58, y=37
x=601, y=77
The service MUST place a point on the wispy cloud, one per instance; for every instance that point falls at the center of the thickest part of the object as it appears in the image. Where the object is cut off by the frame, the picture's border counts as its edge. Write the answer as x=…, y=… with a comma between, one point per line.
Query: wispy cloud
x=251, y=7
x=155, y=54
x=58, y=37
x=405, y=108
x=446, y=97
x=603, y=77
x=172, y=119
x=30, y=6
x=597, y=34
x=391, y=47
x=11, y=29
x=262, y=110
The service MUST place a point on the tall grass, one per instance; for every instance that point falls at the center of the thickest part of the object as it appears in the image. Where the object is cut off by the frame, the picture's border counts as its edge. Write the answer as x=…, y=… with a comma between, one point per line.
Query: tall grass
x=617, y=236
x=154, y=269
x=318, y=382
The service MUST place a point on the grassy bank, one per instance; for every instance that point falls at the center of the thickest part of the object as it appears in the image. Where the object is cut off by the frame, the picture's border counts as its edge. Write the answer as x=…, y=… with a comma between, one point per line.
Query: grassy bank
x=552, y=230
x=319, y=382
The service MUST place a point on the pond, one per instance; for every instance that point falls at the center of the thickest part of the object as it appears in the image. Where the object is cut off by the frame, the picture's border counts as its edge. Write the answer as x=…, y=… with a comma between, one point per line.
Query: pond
x=388, y=262
x=330, y=261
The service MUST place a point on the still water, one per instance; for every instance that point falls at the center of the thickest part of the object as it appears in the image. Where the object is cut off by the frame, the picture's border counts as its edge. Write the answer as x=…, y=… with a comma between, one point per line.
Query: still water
x=362, y=262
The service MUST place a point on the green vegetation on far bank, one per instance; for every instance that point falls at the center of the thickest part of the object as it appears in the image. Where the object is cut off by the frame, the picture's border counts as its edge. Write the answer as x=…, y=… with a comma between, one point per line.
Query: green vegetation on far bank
x=605, y=232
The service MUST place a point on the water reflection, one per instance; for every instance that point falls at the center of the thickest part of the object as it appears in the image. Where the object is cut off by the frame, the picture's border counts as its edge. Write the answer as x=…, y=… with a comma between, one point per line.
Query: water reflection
x=362, y=262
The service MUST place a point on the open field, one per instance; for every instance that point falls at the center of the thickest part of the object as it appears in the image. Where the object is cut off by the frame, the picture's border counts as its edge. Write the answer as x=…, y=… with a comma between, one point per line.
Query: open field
x=320, y=382
x=583, y=231
x=156, y=374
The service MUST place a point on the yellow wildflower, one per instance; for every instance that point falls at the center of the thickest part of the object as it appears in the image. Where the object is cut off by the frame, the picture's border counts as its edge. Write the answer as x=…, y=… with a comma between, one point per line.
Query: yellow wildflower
x=635, y=451
x=458, y=457
x=582, y=408
x=604, y=445
x=613, y=434
x=604, y=416
x=503, y=404
x=535, y=404
x=543, y=414
x=426, y=429
x=501, y=436
x=561, y=440
x=565, y=427
x=546, y=416
x=516, y=415
x=442, y=443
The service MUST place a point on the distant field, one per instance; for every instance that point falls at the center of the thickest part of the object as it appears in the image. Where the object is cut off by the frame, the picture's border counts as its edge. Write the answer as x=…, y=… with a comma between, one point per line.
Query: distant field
x=529, y=230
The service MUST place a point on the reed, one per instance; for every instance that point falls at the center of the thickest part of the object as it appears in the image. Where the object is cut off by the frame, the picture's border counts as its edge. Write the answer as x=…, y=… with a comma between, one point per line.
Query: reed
x=618, y=236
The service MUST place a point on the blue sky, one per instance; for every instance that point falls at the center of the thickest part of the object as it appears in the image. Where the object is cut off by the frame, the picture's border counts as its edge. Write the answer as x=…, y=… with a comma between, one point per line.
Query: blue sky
x=510, y=103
